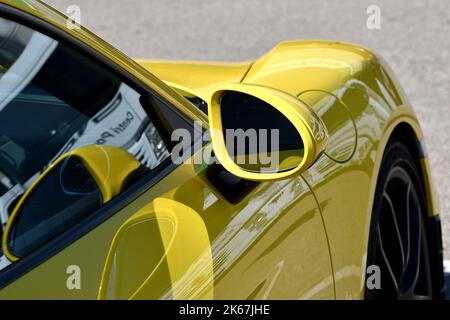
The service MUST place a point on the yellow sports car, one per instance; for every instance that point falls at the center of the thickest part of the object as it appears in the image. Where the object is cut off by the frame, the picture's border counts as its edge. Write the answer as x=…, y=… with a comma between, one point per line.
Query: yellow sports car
x=300, y=175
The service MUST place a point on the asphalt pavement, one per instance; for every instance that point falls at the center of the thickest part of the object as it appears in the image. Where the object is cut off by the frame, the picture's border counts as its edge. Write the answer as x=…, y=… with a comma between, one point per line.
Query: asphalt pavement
x=414, y=38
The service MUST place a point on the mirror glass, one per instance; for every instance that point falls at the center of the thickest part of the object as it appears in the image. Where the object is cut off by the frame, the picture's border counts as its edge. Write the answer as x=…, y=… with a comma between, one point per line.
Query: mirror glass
x=64, y=197
x=258, y=137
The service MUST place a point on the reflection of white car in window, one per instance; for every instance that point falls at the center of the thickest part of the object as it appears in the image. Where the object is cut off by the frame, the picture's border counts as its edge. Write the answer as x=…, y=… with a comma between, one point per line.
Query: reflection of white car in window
x=118, y=124
x=33, y=49
x=26, y=66
x=4, y=262
x=122, y=122
x=122, y=125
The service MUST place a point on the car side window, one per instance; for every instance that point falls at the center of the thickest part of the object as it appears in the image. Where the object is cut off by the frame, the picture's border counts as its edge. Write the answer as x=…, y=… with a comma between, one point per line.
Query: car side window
x=55, y=100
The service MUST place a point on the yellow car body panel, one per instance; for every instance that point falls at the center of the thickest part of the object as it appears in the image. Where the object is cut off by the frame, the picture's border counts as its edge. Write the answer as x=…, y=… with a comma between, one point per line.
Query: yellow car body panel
x=196, y=79
x=366, y=88
x=169, y=223
x=301, y=237
x=256, y=246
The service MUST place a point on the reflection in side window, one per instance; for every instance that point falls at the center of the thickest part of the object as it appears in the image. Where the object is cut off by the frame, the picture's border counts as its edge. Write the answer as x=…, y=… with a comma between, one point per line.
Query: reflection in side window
x=54, y=99
x=66, y=196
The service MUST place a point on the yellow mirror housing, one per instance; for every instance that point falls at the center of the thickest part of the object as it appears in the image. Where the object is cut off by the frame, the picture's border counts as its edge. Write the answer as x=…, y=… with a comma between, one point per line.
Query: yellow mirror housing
x=306, y=122
x=109, y=167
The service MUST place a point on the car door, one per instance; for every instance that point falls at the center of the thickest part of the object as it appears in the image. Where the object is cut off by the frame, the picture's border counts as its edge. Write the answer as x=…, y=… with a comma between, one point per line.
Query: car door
x=160, y=225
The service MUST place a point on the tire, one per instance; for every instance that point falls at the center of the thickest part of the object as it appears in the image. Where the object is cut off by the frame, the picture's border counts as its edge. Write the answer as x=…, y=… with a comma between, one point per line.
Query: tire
x=399, y=242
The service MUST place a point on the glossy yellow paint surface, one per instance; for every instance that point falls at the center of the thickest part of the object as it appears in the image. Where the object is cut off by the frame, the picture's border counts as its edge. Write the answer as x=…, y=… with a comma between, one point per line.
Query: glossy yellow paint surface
x=133, y=274
x=301, y=237
x=196, y=79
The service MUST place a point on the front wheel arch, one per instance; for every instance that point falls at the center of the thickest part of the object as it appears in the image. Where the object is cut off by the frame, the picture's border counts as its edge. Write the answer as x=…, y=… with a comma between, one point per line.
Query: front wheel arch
x=404, y=134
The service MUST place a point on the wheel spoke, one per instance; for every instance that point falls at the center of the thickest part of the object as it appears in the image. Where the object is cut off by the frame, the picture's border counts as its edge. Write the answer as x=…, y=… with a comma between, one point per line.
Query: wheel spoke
x=386, y=260
x=408, y=229
x=411, y=269
x=387, y=198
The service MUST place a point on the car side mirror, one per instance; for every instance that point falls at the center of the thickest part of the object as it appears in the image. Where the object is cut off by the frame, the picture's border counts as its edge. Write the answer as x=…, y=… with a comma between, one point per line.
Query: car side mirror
x=260, y=134
x=75, y=186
